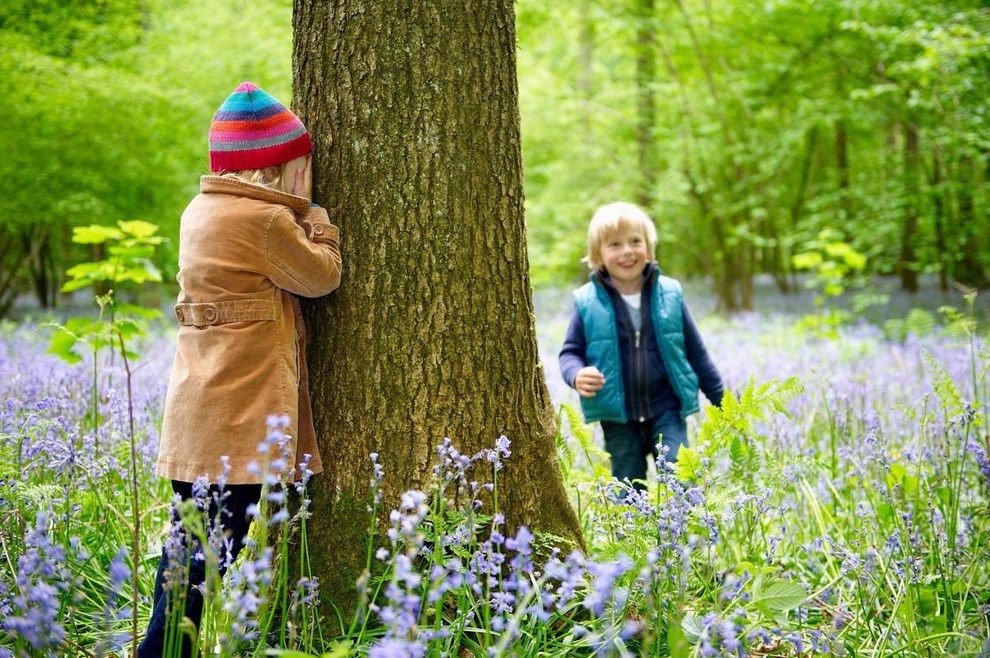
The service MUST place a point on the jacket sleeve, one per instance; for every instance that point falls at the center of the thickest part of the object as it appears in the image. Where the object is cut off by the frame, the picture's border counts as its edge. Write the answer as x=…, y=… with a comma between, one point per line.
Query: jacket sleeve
x=572, y=354
x=304, y=258
x=709, y=379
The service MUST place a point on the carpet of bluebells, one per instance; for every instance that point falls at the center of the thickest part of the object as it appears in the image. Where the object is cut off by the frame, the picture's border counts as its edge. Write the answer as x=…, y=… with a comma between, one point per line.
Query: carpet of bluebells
x=838, y=504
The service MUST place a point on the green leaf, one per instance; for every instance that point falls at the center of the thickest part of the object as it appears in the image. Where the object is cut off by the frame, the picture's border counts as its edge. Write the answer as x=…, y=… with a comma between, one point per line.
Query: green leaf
x=688, y=465
x=739, y=449
x=139, y=229
x=677, y=637
x=61, y=345
x=692, y=627
x=781, y=596
x=95, y=234
x=833, y=289
x=806, y=261
x=136, y=311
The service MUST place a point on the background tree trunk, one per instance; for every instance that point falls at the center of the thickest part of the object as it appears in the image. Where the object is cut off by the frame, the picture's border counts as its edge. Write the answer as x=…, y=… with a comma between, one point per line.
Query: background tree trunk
x=940, y=215
x=907, y=266
x=646, y=106
x=414, y=112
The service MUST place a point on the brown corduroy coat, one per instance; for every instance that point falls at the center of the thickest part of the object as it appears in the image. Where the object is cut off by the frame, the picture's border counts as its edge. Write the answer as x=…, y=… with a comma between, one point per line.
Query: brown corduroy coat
x=244, y=252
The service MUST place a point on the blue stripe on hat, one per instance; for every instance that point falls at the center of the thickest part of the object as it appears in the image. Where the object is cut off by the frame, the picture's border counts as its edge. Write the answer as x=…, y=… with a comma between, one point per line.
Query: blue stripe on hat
x=227, y=113
x=247, y=145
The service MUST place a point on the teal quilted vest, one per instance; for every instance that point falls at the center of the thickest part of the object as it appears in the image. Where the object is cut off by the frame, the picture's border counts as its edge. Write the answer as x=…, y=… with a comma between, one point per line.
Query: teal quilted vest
x=601, y=332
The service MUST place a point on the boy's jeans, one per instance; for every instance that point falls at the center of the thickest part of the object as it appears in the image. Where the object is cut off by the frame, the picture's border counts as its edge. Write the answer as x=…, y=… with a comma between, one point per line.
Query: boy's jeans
x=630, y=443
x=236, y=523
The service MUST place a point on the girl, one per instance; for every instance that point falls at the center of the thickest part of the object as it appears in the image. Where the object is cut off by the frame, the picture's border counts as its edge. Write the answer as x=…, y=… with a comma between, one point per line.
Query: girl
x=248, y=243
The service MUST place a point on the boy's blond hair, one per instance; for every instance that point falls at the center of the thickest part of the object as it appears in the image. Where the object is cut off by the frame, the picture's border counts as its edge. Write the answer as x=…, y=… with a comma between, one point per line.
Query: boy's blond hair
x=618, y=217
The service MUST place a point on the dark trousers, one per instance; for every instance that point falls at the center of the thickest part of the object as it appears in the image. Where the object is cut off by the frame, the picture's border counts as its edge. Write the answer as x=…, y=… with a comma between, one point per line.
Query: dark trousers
x=235, y=523
x=629, y=444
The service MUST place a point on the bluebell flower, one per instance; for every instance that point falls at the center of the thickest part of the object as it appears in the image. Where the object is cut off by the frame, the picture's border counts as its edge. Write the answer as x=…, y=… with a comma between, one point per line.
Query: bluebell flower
x=120, y=574
x=605, y=574
x=395, y=648
x=41, y=579
x=249, y=582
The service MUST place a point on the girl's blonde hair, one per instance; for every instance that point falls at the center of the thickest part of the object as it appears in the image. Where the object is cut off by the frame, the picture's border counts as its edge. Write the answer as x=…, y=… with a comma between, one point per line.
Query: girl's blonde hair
x=613, y=218
x=273, y=177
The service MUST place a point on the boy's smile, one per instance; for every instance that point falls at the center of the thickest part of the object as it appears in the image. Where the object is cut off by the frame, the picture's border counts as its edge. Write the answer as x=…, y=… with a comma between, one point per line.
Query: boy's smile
x=625, y=258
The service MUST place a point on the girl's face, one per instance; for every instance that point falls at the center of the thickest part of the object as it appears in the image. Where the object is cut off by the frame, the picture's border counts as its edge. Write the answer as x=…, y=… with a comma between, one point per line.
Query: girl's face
x=625, y=257
x=297, y=176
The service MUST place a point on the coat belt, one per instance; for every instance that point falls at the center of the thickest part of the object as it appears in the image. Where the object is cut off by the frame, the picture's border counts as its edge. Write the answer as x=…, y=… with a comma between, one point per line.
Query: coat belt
x=203, y=314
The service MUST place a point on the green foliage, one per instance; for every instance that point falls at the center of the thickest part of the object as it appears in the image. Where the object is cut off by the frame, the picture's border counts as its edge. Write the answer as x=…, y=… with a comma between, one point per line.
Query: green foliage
x=130, y=250
x=769, y=123
x=918, y=322
x=108, y=103
x=963, y=323
x=836, y=267
x=107, y=106
x=732, y=428
x=131, y=247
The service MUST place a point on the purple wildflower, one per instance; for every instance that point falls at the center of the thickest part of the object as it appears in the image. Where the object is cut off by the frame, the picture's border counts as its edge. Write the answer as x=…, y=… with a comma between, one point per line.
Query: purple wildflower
x=41, y=580
x=249, y=581
x=605, y=575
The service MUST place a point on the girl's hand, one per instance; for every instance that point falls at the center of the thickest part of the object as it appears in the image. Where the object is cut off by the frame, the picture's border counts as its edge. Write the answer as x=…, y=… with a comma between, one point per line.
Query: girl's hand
x=588, y=381
x=302, y=180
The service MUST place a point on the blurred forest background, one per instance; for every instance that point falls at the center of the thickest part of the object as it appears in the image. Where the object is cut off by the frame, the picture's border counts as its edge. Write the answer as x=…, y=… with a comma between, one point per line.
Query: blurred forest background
x=744, y=127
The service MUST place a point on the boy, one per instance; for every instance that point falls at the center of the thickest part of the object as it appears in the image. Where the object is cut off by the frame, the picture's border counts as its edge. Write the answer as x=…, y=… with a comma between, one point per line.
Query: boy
x=632, y=350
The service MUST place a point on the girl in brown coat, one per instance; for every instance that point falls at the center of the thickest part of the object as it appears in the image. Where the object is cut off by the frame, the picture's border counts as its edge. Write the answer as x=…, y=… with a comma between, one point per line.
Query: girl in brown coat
x=248, y=243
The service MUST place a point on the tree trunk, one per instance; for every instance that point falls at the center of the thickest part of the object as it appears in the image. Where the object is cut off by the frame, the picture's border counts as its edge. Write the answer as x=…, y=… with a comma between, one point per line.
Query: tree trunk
x=414, y=112
x=907, y=262
x=586, y=54
x=842, y=153
x=646, y=114
x=968, y=269
x=938, y=202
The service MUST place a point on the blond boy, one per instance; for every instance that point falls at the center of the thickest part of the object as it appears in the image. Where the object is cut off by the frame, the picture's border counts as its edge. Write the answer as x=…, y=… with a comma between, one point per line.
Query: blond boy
x=632, y=350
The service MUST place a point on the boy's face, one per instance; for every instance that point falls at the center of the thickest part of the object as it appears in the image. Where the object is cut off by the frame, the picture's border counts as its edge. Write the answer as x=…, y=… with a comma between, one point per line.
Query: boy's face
x=625, y=258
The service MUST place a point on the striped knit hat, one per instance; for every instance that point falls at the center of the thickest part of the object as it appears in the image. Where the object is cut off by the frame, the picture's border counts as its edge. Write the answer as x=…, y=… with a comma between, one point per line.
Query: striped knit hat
x=252, y=130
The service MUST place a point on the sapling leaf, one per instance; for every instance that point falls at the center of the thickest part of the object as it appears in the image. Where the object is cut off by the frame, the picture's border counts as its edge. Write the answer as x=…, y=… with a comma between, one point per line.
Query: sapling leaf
x=806, y=261
x=781, y=596
x=139, y=229
x=136, y=311
x=61, y=345
x=95, y=234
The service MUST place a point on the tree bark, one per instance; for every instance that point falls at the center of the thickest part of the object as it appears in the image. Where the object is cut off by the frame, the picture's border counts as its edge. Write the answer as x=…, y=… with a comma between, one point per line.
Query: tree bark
x=646, y=106
x=586, y=54
x=968, y=269
x=944, y=258
x=414, y=112
x=907, y=262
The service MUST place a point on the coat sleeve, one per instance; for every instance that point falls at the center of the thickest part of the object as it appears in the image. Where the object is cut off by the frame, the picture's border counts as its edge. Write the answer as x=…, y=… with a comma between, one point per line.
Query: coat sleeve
x=709, y=378
x=572, y=354
x=304, y=258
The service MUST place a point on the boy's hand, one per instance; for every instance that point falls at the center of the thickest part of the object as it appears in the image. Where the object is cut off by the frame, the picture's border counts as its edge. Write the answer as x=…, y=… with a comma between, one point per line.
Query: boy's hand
x=588, y=381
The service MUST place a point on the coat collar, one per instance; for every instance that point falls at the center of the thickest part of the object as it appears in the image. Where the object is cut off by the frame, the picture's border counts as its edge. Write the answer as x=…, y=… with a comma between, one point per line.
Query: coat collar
x=237, y=187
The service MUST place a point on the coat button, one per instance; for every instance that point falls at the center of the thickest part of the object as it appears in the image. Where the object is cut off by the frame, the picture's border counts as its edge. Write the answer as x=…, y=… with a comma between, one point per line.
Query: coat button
x=318, y=229
x=211, y=313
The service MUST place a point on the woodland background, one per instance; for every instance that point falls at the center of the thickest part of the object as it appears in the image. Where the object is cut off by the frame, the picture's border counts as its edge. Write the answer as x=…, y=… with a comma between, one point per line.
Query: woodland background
x=745, y=128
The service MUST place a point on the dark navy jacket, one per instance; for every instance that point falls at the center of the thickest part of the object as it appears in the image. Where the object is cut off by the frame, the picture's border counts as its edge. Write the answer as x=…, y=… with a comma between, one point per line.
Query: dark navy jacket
x=646, y=384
